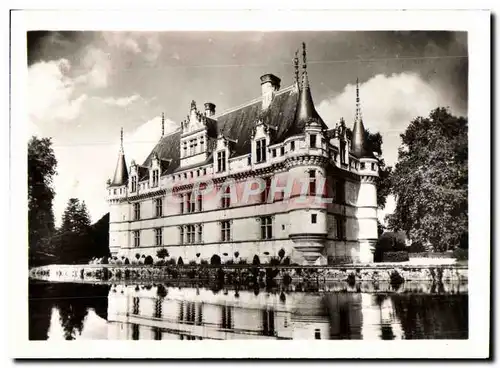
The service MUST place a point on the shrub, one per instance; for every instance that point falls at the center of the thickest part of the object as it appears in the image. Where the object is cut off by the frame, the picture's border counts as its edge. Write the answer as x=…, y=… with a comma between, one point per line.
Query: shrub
x=236, y=254
x=274, y=261
x=148, y=260
x=171, y=262
x=461, y=254
x=215, y=260
x=416, y=247
x=396, y=278
x=104, y=260
x=230, y=262
x=401, y=256
x=204, y=262
x=137, y=256
x=351, y=279
x=256, y=260
x=281, y=253
x=143, y=256
x=242, y=261
x=161, y=291
x=162, y=253
x=160, y=262
x=198, y=255
x=192, y=263
x=180, y=262
x=127, y=262
x=286, y=261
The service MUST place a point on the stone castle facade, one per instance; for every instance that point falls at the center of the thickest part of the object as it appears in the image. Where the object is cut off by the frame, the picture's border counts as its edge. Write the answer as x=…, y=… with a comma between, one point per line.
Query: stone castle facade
x=266, y=176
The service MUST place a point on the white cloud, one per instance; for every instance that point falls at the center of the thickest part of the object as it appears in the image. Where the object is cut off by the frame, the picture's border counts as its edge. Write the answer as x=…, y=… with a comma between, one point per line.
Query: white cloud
x=51, y=92
x=97, y=66
x=388, y=105
x=145, y=43
x=83, y=170
x=120, y=101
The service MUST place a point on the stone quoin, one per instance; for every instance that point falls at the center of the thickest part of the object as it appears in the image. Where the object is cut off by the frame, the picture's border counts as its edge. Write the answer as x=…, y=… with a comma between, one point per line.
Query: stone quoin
x=261, y=177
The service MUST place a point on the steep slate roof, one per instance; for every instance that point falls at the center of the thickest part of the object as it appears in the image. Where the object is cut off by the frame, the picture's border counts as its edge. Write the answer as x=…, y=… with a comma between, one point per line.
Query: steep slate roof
x=121, y=174
x=237, y=125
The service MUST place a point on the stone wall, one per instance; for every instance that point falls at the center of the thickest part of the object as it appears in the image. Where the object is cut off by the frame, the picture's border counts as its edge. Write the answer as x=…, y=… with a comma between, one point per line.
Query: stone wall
x=248, y=274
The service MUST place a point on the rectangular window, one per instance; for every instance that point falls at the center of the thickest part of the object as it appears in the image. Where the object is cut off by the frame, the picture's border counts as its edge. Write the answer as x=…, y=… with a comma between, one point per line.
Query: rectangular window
x=339, y=191
x=182, y=204
x=225, y=233
x=202, y=146
x=159, y=207
x=190, y=232
x=312, y=183
x=156, y=177
x=181, y=234
x=226, y=198
x=264, y=196
x=274, y=152
x=312, y=141
x=342, y=152
x=190, y=203
x=261, y=150
x=314, y=218
x=249, y=160
x=200, y=202
x=292, y=146
x=362, y=166
x=185, y=147
x=137, y=238
x=200, y=233
x=340, y=222
x=282, y=151
x=137, y=211
x=159, y=237
x=266, y=227
x=221, y=161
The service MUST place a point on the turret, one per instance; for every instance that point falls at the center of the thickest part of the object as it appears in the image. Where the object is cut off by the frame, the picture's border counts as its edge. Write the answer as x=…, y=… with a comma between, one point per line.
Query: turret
x=367, y=193
x=121, y=174
x=306, y=112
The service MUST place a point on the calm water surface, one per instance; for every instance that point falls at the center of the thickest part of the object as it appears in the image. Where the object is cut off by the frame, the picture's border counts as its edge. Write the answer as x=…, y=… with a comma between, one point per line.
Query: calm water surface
x=164, y=312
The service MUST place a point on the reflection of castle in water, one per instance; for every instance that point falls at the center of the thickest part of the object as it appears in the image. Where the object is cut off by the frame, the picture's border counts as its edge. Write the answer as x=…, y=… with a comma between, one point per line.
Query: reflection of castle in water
x=190, y=313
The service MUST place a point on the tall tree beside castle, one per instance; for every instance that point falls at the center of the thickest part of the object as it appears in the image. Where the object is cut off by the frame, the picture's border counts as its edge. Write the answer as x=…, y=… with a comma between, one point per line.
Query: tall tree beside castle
x=75, y=233
x=42, y=165
x=430, y=181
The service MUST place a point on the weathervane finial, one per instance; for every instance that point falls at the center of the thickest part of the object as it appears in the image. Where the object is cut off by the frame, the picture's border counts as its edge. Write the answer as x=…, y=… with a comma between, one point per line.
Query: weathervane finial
x=121, y=139
x=296, y=66
x=304, y=57
x=162, y=124
x=358, y=116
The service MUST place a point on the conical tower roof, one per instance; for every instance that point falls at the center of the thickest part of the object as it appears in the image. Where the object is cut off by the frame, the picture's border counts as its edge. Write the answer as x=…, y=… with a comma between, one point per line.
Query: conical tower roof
x=359, y=146
x=306, y=112
x=121, y=173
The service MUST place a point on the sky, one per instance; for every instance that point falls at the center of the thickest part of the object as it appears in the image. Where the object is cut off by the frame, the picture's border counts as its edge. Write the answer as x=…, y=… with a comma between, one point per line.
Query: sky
x=84, y=86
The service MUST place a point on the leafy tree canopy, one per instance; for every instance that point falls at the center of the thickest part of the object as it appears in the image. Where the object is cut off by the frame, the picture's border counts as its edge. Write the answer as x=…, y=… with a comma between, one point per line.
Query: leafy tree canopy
x=430, y=181
x=42, y=165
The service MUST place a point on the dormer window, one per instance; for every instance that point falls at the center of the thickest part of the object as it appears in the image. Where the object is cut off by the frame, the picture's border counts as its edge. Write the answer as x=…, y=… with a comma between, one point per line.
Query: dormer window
x=261, y=150
x=221, y=161
x=312, y=141
x=292, y=146
x=282, y=151
x=133, y=184
x=156, y=177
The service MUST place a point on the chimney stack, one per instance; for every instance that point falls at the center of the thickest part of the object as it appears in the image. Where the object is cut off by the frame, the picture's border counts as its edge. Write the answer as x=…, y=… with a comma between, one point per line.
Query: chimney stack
x=270, y=84
x=209, y=109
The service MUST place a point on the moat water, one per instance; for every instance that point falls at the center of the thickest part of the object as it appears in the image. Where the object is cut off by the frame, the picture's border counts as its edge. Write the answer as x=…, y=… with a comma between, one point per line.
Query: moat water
x=147, y=311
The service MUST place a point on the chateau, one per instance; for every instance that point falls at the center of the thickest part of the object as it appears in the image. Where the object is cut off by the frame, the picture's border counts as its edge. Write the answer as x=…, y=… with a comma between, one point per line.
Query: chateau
x=266, y=176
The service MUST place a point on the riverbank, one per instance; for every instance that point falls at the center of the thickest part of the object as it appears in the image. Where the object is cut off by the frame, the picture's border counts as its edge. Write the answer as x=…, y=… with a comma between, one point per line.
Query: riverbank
x=245, y=274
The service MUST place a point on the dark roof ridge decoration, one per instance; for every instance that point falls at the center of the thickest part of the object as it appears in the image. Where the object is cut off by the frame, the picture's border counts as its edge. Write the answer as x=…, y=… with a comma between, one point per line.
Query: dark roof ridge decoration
x=121, y=173
x=359, y=145
x=306, y=112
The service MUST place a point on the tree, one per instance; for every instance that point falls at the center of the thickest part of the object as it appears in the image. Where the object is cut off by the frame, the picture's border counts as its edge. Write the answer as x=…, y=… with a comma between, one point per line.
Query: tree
x=75, y=234
x=430, y=181
x=42, y=165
